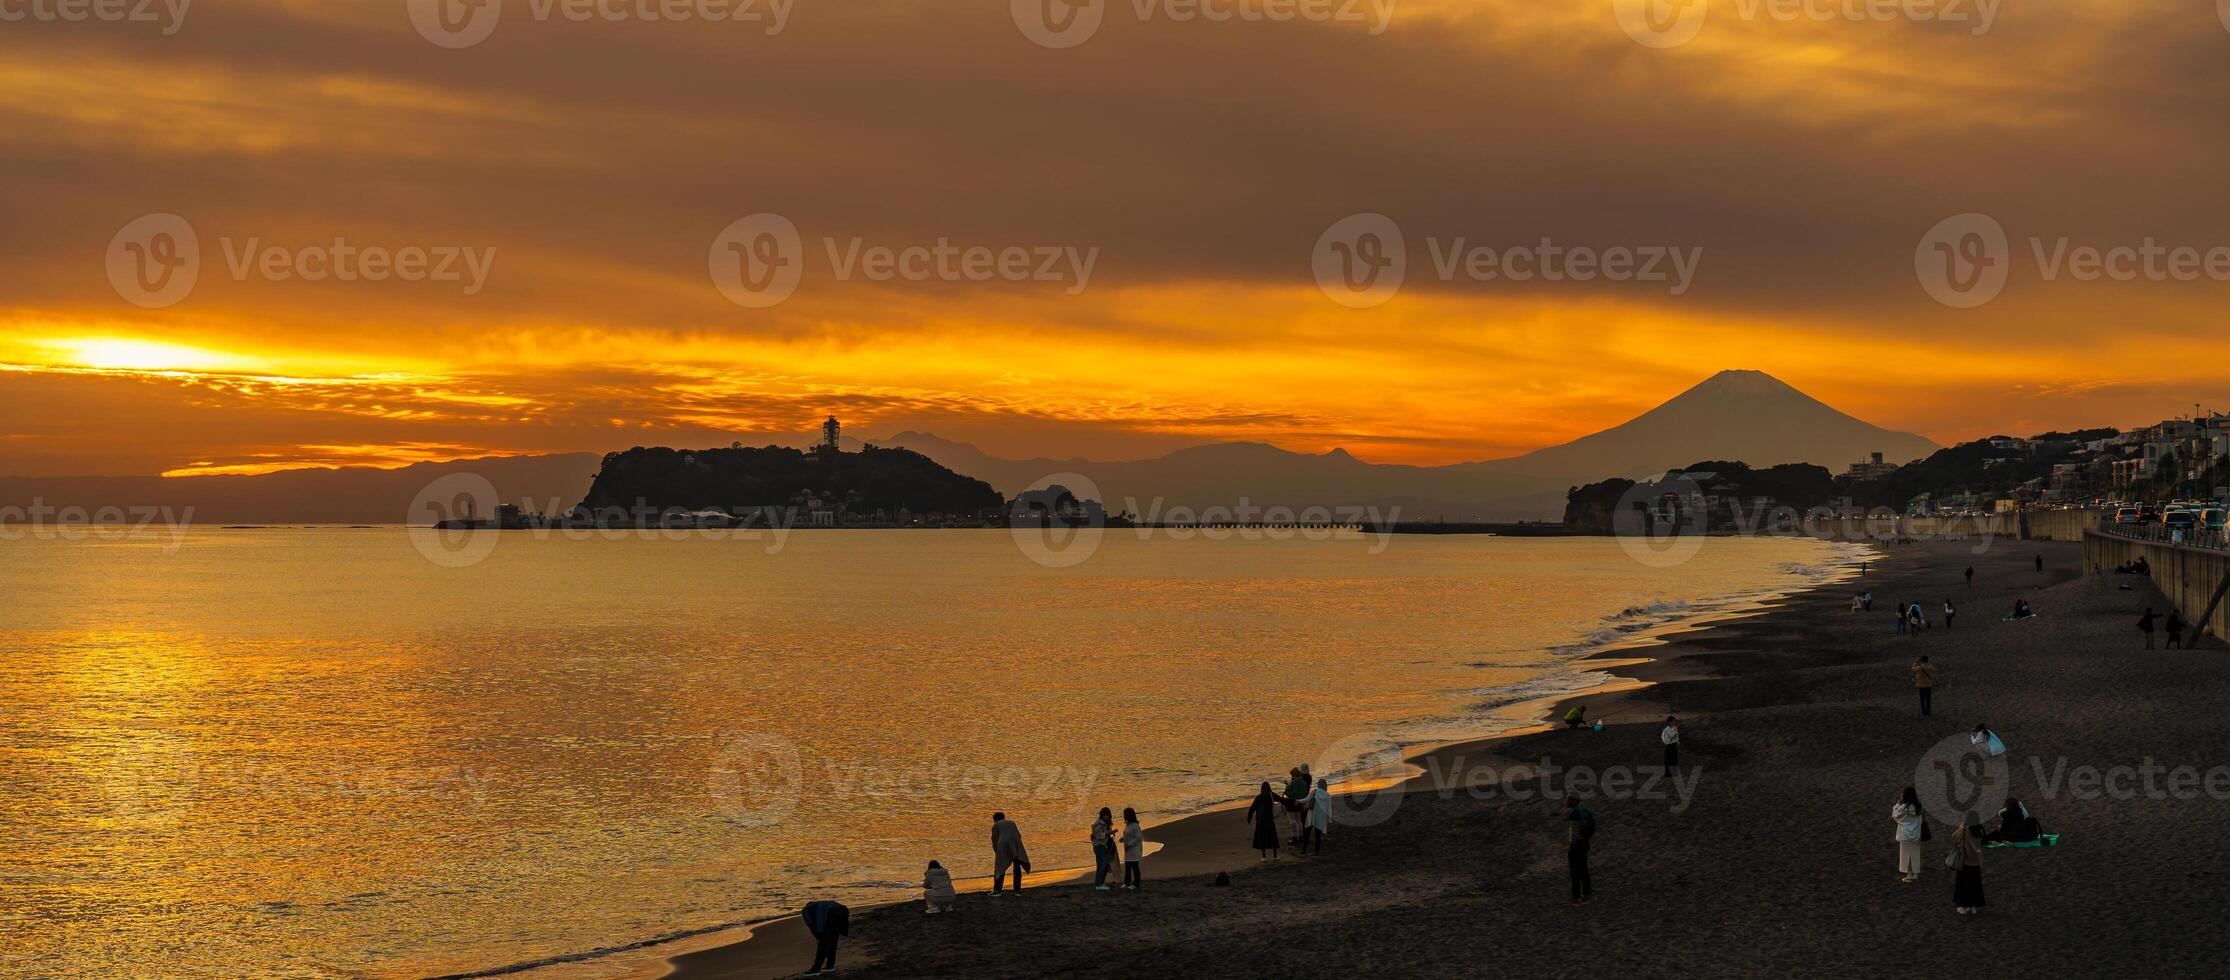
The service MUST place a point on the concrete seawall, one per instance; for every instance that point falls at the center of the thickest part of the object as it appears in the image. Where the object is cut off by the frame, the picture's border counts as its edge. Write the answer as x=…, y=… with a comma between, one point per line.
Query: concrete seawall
x=2187, y=576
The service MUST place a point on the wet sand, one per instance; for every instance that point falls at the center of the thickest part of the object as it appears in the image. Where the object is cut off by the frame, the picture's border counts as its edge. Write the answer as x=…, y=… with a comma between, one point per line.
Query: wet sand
x=1772, y=855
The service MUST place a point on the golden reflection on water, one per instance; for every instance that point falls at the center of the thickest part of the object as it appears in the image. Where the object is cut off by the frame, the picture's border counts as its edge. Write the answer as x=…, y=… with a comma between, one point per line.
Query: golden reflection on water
x=315, y=753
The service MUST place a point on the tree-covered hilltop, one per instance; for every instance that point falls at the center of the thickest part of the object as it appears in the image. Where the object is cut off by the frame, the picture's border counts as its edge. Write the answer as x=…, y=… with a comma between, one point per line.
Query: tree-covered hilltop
x=740, y=479
x=1729, y=486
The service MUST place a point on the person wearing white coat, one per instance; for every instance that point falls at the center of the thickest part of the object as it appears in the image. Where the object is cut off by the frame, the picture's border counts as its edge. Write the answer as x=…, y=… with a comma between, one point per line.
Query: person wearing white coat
x=1319, y=817
x=1906, y=812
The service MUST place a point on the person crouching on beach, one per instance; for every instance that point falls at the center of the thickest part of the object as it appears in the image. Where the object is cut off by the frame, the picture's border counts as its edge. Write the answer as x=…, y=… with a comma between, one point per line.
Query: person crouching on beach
x=1007, y=852
x=1575, y=853
x=1577, y=717
x=936, y=889
x=1263, y=814
x=1134, y=850
x=1671, y=737
x=1103, y=848
x=1319, y=817
x=827, y=921
x=1966, y=860
x=1910, y=821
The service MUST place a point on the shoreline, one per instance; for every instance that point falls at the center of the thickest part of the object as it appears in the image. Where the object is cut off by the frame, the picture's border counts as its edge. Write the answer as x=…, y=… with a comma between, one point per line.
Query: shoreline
x=1194, y=843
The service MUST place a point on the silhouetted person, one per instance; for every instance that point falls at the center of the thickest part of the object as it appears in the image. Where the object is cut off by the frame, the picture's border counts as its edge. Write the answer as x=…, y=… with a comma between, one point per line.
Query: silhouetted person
x=1134, y=851
x=1263, y=814
x=827, y=921
x=1575, y=854
x=1970, y=576
x=1671, y=737
x=2145, y=624
x=1924, y=680
x=1949, y=614
x=2175, y=630
x=1006, y=852
x=1966, y=850
x=2040, y=564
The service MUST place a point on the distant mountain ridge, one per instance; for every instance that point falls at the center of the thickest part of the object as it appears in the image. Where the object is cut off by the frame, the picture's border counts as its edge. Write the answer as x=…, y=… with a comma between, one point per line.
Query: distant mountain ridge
x=1744, y=416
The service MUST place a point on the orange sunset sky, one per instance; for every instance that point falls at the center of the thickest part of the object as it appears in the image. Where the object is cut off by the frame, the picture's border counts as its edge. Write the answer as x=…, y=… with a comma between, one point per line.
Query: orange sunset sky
x=598, y=160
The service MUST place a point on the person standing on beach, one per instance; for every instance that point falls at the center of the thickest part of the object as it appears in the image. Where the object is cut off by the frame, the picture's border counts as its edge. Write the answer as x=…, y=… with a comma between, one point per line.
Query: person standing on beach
x=1970, y=576
x=1319, y=814
x=827, y=921
x=1671, y=737
x=1103, y=848
x=2176, y=626
x=1966, y=862
x=1295, y=800
x=1575, y=853
x=1263, y=814
x=2040, y=564
x=1904, y=621
x=2145, y=623
x=1924, y=680
x=1134, y=851
x=1007, y=852
x=1906, y=812
x=1949, y=613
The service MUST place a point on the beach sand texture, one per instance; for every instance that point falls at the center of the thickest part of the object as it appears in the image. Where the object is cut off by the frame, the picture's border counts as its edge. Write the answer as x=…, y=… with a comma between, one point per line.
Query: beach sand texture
x=1800, y=726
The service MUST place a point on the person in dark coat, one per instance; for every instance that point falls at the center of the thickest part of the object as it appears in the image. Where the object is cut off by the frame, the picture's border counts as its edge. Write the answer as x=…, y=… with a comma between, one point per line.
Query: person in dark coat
x=2176, y=626
x=826, y=921
x=1263, y=814
x=2145, y=623
x=1575, y=852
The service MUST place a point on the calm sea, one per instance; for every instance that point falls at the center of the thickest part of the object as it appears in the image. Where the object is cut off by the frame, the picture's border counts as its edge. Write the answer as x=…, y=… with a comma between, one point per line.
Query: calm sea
x=316, y=752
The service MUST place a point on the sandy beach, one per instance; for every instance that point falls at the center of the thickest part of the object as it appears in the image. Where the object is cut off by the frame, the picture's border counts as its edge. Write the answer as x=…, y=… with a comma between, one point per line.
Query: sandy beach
x=1771, y=855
